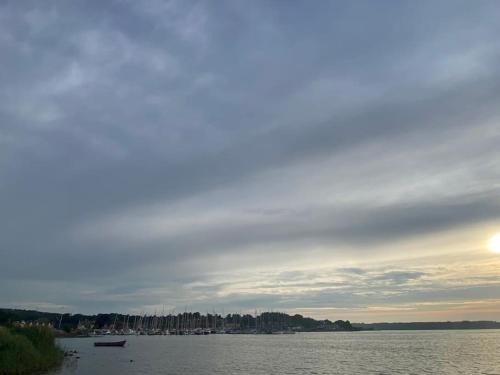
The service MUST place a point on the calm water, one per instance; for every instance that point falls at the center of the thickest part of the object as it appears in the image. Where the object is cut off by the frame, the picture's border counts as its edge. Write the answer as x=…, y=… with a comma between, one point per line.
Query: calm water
x=389, y=352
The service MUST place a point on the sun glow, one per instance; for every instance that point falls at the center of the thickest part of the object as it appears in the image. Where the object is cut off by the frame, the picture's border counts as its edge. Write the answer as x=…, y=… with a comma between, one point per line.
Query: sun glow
x=494, y=243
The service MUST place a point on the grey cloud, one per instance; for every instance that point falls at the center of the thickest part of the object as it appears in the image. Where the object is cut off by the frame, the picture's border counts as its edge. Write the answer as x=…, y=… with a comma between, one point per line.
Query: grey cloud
x=353, y=270
x=399, y=277
x=331, y=227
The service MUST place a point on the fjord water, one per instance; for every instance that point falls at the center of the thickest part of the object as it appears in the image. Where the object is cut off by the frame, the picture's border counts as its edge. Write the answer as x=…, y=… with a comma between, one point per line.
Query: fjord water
x=382, y=352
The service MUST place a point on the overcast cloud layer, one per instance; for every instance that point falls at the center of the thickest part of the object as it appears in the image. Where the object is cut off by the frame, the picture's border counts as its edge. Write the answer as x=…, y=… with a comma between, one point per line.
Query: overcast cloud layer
x=336, y=159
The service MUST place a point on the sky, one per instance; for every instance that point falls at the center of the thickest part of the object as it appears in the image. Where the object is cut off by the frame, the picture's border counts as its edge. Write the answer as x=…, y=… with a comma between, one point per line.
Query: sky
x=335, y=159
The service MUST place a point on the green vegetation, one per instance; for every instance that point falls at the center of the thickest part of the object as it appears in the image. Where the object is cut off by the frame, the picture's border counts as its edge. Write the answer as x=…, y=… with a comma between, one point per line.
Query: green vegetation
x=28, y=349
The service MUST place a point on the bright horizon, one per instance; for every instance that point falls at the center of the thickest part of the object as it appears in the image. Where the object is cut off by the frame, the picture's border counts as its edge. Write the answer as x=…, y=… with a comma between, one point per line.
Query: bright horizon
x=337, y=160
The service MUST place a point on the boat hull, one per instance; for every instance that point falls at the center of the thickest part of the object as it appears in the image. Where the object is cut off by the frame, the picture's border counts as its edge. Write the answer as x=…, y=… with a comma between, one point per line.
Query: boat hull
x=110, y=343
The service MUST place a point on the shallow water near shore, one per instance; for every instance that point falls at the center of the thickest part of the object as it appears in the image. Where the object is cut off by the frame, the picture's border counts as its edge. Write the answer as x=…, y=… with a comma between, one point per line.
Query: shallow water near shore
x=382, y=352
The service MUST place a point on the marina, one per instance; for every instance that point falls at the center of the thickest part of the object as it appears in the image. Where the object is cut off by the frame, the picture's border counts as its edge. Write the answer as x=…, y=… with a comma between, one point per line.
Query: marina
x=193, y=323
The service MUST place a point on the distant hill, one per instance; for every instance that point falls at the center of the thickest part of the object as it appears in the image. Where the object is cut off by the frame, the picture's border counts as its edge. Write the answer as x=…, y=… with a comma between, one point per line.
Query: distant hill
x=482, y=324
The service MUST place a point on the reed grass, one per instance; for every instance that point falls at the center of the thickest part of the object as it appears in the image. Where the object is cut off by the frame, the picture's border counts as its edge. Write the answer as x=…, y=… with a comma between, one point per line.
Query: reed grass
x=27, y=350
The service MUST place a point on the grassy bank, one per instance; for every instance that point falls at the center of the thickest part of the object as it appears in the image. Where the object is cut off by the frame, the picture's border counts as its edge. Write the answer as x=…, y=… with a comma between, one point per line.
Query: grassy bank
x=27, y=350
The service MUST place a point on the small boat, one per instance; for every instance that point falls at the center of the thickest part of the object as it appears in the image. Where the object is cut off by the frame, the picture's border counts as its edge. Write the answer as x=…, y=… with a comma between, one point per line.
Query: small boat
x=110, y=343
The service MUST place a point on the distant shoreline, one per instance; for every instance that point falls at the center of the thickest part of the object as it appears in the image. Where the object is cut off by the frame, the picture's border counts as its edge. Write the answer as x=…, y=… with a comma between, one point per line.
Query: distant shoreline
x=428, y=326
x=297, y=323
x=186, y=323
